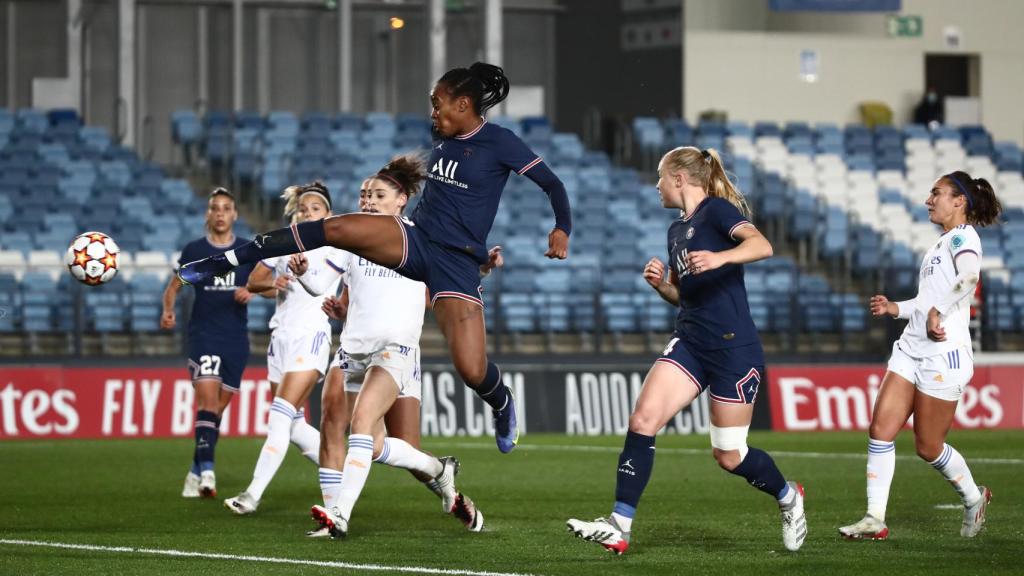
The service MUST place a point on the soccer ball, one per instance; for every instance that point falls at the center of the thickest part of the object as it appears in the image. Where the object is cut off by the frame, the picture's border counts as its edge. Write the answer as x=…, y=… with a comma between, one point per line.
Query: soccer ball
x=92, y=258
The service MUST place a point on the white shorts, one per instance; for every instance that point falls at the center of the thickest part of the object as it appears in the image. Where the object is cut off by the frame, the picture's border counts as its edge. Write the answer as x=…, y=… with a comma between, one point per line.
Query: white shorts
x=297, y=351
x=402, y=362
x=943, y=376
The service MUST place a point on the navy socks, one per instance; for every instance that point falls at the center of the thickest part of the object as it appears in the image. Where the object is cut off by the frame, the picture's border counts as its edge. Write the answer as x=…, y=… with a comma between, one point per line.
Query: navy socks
x=636, y=462
x=207, y=431
x=760, y=471
x=296, y=238
x=492, y=390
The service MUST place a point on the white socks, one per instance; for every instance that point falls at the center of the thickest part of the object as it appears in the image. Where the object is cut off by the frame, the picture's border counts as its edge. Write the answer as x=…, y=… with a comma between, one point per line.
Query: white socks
x=305, y=437
x=279, y=426
x=624, y=524
x=330, y=486
x=881, y=466
x=401, y=454
x=954, y=468
x=357, y=469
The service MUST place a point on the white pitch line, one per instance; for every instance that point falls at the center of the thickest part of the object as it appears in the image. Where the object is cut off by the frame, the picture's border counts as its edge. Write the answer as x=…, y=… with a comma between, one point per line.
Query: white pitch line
x=949, y=506
x=701, y=451
x=264, y=559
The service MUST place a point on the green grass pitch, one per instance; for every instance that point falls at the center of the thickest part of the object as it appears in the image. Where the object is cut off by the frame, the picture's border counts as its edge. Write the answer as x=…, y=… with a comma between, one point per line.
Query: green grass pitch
x=693, y=519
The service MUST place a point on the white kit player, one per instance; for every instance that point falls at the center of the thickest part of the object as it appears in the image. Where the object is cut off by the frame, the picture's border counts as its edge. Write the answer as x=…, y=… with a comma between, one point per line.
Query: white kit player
x=300, y=344
x=932, y=362
x=379, y=357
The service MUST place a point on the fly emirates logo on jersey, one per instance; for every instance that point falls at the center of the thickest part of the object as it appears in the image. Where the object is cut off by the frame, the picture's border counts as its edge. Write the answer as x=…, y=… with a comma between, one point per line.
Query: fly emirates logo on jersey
x=444, y=171
x=119, y=403
x=843, y=397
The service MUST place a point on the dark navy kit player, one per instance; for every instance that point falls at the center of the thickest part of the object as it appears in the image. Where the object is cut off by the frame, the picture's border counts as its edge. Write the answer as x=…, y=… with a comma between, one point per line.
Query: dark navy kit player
x=218, y=337
x=443, y=243
x=715, y=346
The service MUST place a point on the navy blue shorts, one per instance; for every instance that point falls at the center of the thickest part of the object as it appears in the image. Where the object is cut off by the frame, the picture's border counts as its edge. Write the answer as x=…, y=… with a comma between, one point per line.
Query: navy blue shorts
x=733, y=375
x=447, y=272
x=210, y=358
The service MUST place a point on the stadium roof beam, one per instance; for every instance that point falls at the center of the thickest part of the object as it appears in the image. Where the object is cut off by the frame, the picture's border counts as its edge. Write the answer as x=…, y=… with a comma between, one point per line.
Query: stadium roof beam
x=438, y=39
x=345, y=55
x=126, y=71
x=493, y=37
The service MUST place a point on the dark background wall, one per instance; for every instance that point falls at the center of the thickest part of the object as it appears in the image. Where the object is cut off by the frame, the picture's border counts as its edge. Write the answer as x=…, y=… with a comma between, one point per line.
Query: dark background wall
x=595, y=72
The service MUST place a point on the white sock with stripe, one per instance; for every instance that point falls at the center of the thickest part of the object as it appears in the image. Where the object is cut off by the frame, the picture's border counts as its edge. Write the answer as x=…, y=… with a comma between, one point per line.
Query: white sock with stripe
x=357, y=469
x=954, y=468
x=305, y=437
x=279, y=426
x=330, y=486
x=881, y=467
x=401, y=454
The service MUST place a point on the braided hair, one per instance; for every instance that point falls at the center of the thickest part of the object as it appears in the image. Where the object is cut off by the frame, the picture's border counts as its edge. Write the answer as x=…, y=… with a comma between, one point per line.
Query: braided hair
x=484, y=84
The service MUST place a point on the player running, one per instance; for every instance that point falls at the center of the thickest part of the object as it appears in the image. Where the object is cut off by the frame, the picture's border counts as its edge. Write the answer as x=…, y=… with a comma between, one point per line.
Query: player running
x=379, y=357
x=715, y=346
x=932, y=362
x=300, y=344
x=443, y=244
x=218, y=337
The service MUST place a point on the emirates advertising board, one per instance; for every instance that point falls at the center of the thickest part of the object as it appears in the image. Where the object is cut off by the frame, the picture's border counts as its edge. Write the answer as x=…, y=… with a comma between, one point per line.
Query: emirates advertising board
x=580, y=400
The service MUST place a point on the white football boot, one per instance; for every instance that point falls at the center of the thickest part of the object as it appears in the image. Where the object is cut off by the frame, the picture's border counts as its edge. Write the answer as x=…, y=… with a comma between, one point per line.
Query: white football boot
x=603, y=531
x=446, y=482
x=208, y=484
x=868, y=528
x=974, y=516
x=242, y=504
x=466, y=511
x=794, y=521
x=191, y=489
x=337, y=526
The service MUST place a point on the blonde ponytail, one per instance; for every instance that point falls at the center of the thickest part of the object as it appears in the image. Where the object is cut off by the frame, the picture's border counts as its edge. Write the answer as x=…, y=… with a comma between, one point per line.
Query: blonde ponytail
x=704, y=168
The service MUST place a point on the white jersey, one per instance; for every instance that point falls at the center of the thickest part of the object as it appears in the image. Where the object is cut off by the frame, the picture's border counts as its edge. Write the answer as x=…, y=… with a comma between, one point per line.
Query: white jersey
x=938, y=274
x=296, y=308
x=384, y=307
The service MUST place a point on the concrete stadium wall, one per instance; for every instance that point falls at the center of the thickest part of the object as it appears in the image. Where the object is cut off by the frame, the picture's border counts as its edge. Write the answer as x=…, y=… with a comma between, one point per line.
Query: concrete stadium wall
x=744, y=59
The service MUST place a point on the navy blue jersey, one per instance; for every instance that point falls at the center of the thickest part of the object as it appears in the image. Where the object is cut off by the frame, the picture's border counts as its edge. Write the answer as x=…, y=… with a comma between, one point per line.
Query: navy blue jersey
x=465, y=178
x=713, y=308
x=215, y=312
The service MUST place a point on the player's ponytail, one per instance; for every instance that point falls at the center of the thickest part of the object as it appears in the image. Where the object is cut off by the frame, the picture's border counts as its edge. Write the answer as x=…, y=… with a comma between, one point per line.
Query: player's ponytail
x=704, y=168
x=405, y=173
x=983, y=208
x=485, y=84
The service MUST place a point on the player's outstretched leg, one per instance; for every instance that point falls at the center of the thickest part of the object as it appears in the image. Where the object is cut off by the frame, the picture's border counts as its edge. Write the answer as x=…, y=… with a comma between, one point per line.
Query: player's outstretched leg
x=400, y=454
x=730, y=449
x=974, y=514
x=636, y=463
x=954, y=469
x=295, y=238
x=880, y=469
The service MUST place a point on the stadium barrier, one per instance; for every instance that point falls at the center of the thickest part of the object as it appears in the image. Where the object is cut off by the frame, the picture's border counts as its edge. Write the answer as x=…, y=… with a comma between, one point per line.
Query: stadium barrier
x=574, y=399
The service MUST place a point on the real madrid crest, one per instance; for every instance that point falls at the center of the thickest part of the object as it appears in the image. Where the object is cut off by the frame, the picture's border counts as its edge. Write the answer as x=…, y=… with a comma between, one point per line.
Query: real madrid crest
x=689, y=232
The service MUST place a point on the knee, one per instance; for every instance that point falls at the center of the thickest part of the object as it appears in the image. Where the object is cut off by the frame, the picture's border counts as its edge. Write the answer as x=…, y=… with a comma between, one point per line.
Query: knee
x=927, y=450
x=643, y=423
x=882, y=432
x=361, y=425
x=729, y=445
x=727, y=459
